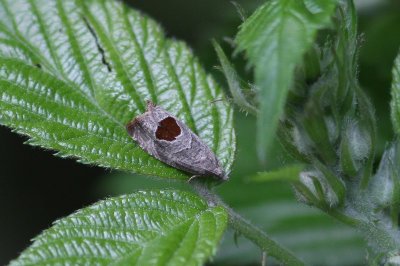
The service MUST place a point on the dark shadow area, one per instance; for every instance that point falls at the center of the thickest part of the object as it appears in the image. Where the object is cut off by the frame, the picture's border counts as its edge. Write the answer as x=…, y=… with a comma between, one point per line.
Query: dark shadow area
x=36, y=188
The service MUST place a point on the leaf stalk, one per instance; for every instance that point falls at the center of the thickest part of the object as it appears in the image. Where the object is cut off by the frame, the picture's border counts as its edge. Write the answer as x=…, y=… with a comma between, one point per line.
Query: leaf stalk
x=247, y=229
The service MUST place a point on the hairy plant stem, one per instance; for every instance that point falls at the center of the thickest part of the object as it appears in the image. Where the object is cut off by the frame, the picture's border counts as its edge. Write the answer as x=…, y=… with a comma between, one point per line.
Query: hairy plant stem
x=342, y=217
x=247, y=229
x=373, y=232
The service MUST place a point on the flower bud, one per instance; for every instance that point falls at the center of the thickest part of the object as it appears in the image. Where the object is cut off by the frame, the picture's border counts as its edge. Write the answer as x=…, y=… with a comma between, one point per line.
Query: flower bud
x=321, y=191
x=355, y=147
x=385, y=184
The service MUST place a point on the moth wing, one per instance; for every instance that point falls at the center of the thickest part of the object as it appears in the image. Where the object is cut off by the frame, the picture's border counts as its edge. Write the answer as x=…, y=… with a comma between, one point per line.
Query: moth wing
x=192, y=156
x=168, y=139
x=141, y=135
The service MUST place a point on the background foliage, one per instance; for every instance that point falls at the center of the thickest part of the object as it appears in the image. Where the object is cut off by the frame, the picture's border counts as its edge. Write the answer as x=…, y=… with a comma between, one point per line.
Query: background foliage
x=47, y=188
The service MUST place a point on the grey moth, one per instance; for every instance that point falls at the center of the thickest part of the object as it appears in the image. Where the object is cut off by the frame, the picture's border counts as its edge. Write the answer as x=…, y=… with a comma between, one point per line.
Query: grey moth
x=169, y=140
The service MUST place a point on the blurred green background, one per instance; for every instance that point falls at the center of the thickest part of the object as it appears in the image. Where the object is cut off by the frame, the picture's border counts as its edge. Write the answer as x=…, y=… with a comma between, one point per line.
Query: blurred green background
x=36, y=188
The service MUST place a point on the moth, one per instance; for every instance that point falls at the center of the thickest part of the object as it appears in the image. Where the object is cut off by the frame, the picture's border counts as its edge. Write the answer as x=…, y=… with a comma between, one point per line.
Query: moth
x=169, y=140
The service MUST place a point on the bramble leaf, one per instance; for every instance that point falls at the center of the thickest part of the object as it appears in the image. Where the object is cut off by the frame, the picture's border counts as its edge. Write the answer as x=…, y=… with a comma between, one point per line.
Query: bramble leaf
x=233, y=81
x=396, y=95
x=74, y=73
x=275, y=37
x=144, y=228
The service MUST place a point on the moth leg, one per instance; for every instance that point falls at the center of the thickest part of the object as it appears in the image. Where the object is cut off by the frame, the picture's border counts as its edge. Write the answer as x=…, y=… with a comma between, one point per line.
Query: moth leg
x=193, y=177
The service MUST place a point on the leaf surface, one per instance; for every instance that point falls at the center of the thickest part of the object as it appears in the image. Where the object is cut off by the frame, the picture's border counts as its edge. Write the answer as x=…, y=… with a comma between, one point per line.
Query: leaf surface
x=275, y=37
x=395, y=104
x=144, y=228
x=74, y=73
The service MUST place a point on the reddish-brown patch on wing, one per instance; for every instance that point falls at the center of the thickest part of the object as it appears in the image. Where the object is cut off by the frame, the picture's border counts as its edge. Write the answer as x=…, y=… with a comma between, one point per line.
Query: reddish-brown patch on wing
x=168, y=129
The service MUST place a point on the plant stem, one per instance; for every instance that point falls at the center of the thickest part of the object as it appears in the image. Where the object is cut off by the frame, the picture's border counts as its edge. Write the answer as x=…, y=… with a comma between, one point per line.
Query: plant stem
x=247, y=229
x=261, y=239
x=377, y=233
x=342, y=217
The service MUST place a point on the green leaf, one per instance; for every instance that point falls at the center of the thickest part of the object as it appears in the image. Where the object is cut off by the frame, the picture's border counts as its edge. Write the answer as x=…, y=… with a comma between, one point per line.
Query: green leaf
x=286, y=173
x=144, y=228
x=74, y=73
x=395, y=104
x=275, y=38
x=233, y=81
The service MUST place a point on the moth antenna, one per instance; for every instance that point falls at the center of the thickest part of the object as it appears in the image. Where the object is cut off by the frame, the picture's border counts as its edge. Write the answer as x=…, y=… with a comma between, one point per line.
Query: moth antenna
x=217, y=100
